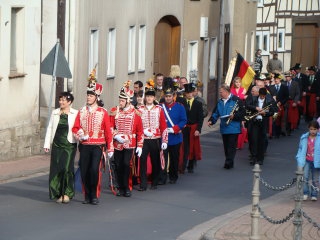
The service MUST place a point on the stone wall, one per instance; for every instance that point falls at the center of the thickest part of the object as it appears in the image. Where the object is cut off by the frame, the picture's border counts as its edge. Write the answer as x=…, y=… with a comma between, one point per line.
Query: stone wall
x=20, y=141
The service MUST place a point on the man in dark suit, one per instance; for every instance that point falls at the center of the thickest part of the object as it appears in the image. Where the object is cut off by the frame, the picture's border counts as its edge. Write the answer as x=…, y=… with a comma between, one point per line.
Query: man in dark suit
x=263, y=106
x=281, y=97
x=191, y=133
x=292, y=104
x=311, y=89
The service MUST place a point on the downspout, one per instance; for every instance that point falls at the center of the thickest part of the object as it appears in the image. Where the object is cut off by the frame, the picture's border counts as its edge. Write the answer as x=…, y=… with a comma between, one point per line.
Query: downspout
x=220, y=47
x=41, y=33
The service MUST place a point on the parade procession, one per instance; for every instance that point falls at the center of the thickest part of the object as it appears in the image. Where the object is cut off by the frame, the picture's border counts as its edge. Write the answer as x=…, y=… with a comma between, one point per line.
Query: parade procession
x=154, y=139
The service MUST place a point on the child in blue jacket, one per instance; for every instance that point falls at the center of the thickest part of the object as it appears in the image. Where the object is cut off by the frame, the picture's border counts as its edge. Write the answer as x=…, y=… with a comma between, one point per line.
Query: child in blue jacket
x=308, y=157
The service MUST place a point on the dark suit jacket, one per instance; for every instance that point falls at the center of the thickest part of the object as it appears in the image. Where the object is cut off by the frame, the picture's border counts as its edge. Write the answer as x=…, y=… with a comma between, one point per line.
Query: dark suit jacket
x=195, y=114
x=294, y=91
x=282, y=95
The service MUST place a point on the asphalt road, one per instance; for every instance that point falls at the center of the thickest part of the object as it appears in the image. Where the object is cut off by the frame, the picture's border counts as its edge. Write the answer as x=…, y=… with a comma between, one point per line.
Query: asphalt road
x=26, y=213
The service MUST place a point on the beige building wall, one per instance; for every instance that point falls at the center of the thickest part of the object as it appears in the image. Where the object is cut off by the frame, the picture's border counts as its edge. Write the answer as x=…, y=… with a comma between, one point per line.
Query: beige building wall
x=193, y=32
x=19, y=89
x=105, y=14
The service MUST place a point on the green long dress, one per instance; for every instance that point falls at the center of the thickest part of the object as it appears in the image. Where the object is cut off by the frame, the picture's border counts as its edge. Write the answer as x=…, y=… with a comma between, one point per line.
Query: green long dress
x=61, y=177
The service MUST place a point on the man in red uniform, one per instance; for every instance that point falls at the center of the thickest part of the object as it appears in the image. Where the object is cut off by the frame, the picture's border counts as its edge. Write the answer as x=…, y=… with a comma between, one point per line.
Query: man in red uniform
x=127, y=134
x=92, y=129
x=155, y=136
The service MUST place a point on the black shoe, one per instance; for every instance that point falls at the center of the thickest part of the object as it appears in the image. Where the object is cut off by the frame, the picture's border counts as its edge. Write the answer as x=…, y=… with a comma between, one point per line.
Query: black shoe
x=141, y=189
x=118, y=192
x=95, y=201
x=172, y=181
x=86, y=201
x=162, y=183
x=127, y=193
x=260, y=162
x=153, y=187
x=228, y=166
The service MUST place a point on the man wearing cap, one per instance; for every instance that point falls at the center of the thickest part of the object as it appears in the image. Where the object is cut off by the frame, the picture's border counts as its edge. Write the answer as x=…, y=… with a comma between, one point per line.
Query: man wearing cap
x=311, y=90
x=281, y=98
x=230, y=110
x=191, y=133
x=92, y=129
x=274, y=64
x=176, y=119
x=127, y=132
x=293, y=103
x=155, y=138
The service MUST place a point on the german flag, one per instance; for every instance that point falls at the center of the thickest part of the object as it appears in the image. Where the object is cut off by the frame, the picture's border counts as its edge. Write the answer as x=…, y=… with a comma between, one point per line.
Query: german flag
x=242, y=69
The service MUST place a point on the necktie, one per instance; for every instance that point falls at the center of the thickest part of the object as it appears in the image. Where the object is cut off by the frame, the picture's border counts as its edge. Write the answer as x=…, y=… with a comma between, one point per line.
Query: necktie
x=289, y=84
x=189, y=104
x=277, y=87
x=311, y=79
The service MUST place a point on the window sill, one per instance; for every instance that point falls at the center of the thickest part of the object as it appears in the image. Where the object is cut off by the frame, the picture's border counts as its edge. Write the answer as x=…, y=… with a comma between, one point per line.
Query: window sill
x=141, y=71
x=130, y=73
x=110, y=77
x=16, y=75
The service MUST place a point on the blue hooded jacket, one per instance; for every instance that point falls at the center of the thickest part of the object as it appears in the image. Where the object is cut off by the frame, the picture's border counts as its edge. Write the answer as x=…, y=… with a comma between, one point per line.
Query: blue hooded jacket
x=302, y=151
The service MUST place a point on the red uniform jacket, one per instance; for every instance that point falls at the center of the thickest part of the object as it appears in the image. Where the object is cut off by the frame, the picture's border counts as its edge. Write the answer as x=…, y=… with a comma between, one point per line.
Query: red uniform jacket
x=129, y=124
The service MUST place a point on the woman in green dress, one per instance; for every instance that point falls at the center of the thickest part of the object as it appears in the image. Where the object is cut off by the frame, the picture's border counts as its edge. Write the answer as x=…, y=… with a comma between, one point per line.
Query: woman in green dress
x=64, y=146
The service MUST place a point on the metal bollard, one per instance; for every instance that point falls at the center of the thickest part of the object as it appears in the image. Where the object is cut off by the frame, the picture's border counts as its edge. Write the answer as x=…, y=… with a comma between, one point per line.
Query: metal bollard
x=255, y=214
x=297, y=221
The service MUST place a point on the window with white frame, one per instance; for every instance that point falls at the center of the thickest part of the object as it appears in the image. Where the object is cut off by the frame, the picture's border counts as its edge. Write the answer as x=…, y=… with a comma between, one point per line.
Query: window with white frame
x=16, y=40
x=260, y=3
x=131, y=49
x=93, y=49
x=280, y=39
x=111, y=54
x=192, y=66
x=213, y=59
x=263, y=41
x=142, y=48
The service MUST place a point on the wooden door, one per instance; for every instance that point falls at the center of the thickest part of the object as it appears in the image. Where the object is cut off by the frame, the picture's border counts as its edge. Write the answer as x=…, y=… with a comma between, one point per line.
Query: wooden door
x=166, y=46
x=305, y=45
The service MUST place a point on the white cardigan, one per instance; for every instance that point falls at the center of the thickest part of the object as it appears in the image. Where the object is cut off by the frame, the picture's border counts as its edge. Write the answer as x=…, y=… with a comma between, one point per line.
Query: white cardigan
x=53, y=124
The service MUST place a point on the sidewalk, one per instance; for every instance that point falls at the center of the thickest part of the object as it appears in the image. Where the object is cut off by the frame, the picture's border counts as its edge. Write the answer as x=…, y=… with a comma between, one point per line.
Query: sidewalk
x=236, y=225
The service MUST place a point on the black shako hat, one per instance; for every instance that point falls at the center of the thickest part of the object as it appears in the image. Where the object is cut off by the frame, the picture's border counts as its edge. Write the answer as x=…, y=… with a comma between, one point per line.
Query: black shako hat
x=189, y=87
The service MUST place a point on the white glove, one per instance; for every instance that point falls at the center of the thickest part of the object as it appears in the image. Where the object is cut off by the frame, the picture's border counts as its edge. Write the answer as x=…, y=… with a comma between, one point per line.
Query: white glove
x=110, y=154
x=119, y=138
x=139, y=151
x=147, y=132
x=80, y=133
x=83, y=138
x=164, y=146
x=170, y=130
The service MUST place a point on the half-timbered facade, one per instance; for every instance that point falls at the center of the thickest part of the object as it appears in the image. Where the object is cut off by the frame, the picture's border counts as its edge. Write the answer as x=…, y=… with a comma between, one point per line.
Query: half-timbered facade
x=291, y=28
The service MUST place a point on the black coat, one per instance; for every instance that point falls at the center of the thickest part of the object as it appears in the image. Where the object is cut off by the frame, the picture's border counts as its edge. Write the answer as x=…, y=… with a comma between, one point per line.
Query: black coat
x=195, y=114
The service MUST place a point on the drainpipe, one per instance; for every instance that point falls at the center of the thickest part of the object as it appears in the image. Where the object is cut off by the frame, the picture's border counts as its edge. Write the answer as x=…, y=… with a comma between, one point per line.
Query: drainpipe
x=61, y=22
x=41, y=32
x=220, y=47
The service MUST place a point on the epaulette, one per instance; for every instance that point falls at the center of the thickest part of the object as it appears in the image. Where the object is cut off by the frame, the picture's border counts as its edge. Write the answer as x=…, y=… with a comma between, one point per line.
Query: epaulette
x=138, y=112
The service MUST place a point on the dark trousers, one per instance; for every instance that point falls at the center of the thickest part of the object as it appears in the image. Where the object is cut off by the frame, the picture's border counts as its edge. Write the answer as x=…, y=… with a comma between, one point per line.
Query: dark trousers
x=230, y=145
x=258, y=138
x=90, y=157
x=122, y=161
x=152, y=147
x=172, y=153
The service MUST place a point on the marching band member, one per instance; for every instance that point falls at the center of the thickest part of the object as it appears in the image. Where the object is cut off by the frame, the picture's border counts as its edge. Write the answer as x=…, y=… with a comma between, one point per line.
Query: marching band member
x=191, y=133
x=230, y=110
x=261, y=107
x=176, y=119
x=292, y=104
x=127, y=130
x=92, y=128
x=155, y=137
